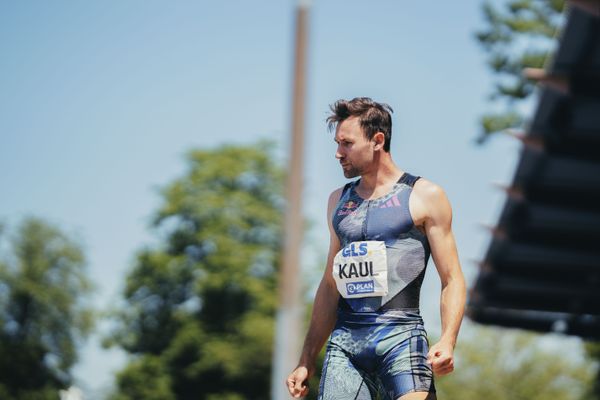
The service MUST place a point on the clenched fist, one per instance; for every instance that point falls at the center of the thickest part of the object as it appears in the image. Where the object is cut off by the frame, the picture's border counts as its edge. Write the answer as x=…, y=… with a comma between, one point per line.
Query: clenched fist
x=297, y=382
x=441, y=358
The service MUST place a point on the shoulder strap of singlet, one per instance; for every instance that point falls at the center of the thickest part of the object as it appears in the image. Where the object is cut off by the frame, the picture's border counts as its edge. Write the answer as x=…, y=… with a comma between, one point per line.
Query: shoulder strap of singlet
x=408, y=179
x=346, y=187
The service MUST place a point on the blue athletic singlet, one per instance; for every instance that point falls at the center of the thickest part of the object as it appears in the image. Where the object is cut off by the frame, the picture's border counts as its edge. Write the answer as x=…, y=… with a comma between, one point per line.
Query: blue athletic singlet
x=378, y=348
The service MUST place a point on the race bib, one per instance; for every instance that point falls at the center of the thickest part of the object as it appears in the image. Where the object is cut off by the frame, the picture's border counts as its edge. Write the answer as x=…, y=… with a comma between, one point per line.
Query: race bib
x=360, y=269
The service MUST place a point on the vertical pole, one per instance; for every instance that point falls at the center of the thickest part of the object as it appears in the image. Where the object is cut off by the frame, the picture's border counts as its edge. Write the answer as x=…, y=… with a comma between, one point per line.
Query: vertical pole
x=289, y=316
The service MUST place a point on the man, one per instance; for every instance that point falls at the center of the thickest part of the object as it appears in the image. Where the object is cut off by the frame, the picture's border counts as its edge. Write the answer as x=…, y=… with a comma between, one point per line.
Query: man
x=383, y=227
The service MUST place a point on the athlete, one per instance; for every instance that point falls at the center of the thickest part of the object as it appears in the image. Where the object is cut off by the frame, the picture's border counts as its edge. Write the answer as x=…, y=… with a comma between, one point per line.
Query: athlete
x=383, y=228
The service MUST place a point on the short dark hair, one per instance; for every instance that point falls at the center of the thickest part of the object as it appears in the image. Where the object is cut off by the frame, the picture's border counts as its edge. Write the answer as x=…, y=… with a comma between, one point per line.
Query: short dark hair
x=373, y=117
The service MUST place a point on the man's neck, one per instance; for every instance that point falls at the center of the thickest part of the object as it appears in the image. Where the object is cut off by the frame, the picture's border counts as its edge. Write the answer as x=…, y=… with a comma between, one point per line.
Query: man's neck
x=384, y=174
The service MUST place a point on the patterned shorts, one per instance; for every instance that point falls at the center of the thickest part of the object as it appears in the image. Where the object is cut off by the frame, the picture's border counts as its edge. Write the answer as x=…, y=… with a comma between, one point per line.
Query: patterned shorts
x=373, y=356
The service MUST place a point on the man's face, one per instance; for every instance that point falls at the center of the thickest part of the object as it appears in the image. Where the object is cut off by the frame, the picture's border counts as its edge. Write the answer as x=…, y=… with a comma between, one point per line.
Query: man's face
x=354, y=150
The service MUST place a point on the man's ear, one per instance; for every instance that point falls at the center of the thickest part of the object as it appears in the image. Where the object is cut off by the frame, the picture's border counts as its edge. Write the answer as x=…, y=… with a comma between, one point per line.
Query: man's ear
x=379, y=139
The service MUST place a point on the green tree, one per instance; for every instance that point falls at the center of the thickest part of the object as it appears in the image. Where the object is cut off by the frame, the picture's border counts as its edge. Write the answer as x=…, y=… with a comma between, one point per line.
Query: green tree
x=199, y=308
x=43, y=313
x=519, y=35
x=593, y=358
x=498, y=363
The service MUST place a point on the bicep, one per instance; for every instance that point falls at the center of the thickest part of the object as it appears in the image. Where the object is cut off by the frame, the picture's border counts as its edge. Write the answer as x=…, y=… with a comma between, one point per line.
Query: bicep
x=438, y=228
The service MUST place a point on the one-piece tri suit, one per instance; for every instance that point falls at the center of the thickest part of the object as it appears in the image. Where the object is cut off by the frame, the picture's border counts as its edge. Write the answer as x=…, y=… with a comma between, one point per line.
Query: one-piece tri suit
x=378, y=348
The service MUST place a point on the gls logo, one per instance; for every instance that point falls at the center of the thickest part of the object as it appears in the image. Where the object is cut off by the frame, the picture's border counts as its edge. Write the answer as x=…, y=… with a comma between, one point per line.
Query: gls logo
x=360, y=287
x=352, y=251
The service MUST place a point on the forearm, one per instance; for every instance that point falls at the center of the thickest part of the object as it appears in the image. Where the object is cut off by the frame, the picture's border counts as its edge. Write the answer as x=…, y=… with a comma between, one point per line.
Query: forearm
x=321, y=324
x=452, y=308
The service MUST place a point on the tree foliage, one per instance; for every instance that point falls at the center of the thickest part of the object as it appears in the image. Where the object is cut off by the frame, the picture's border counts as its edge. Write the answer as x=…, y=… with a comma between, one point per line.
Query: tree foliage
x=499, y=363
x=199, y=306
x=593, y=356
x=519, y=35
x=43, y=314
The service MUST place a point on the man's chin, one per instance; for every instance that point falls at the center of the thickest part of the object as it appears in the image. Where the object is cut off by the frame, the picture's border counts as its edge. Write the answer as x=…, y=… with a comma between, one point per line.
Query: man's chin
x=350, y=173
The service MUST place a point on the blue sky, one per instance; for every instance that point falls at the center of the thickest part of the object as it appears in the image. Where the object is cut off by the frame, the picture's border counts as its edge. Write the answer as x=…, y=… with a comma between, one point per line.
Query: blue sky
x=99, y=101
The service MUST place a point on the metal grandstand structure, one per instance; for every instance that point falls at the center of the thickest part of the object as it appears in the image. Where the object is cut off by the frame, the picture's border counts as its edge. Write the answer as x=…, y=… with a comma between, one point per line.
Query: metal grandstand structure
x=542, y=268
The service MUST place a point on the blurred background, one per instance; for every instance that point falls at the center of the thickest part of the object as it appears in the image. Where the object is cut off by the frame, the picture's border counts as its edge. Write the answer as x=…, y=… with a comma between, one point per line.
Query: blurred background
x=144, y=148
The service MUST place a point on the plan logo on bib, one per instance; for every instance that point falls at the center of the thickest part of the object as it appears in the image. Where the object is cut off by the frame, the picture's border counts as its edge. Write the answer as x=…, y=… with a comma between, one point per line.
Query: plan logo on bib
x=360, y=287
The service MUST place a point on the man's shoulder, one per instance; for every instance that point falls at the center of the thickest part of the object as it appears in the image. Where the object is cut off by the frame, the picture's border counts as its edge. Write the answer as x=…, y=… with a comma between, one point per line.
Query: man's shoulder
x=429, y=192
x=336, y=193
x=432, y=197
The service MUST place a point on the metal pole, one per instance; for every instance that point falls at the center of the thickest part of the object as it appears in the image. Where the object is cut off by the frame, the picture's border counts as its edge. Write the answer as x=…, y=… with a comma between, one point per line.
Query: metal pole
x=290, y=313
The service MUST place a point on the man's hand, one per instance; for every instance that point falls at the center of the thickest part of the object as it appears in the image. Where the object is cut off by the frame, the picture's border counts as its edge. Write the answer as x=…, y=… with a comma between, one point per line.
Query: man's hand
x=441, y=358
x=297, y=382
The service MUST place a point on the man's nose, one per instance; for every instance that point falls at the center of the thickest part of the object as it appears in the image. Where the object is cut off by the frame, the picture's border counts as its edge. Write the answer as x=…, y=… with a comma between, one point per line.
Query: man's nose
x=338, y=153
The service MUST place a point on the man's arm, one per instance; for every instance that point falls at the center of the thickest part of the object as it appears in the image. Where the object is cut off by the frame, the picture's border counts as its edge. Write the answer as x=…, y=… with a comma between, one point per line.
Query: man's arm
x=323, y=315
x=438, y=227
